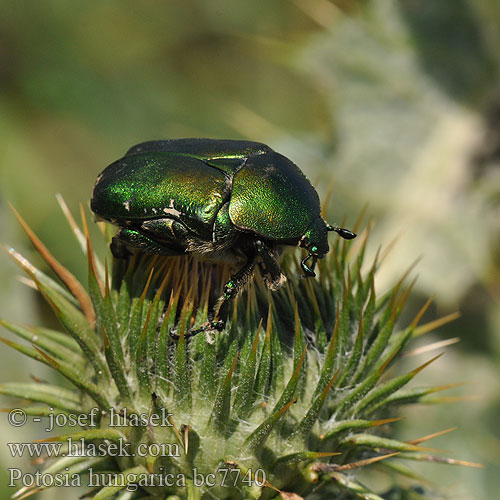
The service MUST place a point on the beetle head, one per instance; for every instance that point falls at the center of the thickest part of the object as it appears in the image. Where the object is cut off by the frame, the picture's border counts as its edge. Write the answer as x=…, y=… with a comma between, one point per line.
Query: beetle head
x=315, y=240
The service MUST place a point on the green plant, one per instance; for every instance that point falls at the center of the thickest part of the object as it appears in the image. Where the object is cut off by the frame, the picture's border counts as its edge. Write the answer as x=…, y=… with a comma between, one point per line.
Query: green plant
x=291, y=399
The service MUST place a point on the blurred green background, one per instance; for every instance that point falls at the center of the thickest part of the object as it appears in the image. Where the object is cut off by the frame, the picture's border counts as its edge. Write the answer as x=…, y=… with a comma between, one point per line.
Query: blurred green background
x=397, y=102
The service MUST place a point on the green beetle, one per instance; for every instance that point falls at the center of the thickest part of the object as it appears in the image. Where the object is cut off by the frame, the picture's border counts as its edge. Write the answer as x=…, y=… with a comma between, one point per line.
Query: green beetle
x=220, y=200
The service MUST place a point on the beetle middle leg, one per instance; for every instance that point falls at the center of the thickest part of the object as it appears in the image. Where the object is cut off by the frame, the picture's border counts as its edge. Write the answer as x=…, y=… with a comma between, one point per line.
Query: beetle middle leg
x=233, y=287
x=218, y=318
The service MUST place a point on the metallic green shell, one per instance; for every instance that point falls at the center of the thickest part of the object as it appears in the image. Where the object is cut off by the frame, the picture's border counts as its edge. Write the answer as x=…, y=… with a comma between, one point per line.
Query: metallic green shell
x=191, y=179
x=204, y=149
x=273, y=198
x=155, y=185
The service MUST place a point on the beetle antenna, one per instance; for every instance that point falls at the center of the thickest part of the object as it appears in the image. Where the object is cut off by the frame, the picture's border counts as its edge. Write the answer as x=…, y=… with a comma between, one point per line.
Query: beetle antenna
x=341, y=231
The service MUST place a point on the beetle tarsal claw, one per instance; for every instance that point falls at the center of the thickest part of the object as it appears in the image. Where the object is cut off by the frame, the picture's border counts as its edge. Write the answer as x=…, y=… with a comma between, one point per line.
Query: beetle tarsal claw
x=209, y=327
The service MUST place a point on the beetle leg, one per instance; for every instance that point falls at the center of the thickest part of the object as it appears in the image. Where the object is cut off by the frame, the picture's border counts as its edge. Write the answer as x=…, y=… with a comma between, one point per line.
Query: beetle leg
x=271, y=273
x=221, y=309
x=233, y=287
x=135, y=239
x=209, y=325
x=169, y=232
x=309, y=271
x=119, y=249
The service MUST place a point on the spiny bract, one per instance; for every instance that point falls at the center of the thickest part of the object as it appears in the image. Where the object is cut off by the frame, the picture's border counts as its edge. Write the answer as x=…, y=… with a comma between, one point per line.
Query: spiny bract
x=292, y=397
